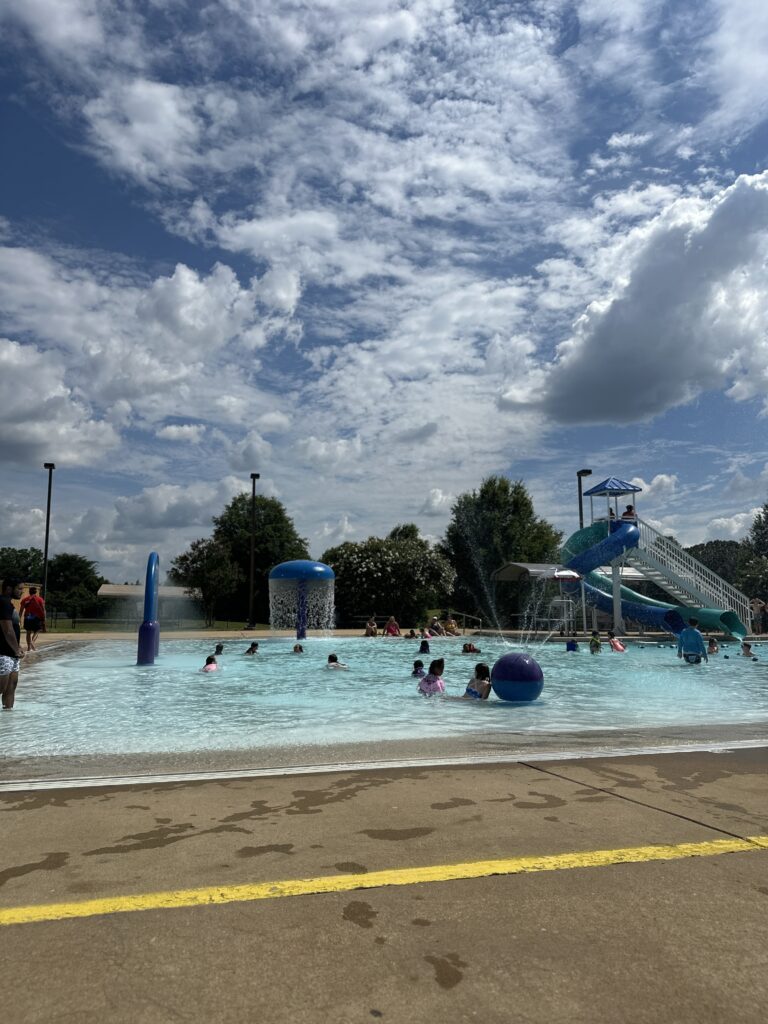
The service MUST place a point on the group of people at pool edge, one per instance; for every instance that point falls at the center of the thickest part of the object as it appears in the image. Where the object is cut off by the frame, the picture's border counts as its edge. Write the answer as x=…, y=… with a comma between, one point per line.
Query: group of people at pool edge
x=391, y=628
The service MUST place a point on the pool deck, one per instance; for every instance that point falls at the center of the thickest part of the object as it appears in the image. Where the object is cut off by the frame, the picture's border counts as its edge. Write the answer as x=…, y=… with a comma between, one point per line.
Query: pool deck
x=500, y=879
x=627, y=889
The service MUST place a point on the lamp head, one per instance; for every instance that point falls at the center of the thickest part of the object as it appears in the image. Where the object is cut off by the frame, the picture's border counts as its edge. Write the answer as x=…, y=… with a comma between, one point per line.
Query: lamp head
x=584, y=472
x=255, y=476
x=49, y=465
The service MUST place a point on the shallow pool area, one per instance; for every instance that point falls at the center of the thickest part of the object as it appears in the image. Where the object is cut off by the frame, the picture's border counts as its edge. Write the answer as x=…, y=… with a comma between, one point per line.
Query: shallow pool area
x=91, y=698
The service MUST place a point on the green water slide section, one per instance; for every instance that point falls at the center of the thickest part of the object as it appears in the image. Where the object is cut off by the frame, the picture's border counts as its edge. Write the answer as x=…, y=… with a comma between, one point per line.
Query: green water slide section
x=595, y=537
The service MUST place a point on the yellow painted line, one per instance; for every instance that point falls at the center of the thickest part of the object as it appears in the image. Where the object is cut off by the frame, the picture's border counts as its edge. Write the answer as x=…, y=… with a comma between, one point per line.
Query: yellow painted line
x=177, y=898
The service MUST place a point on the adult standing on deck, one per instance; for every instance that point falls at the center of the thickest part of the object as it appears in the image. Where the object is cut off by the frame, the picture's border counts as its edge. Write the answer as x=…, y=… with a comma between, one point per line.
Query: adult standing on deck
x=10, y=642
x=758, y=611
x=690, y=644
x=32, y=607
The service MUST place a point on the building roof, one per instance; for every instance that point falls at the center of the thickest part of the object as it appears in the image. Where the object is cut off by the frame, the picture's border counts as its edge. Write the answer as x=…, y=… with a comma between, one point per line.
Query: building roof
x=136, y=590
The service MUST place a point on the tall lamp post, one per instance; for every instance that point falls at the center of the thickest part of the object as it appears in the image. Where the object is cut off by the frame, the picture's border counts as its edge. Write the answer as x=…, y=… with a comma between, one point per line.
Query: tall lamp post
x=579, y=477
x=50, y=466
x=254, y=478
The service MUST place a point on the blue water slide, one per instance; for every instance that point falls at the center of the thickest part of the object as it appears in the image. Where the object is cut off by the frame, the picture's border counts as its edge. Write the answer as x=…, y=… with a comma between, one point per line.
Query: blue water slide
x=598, y=545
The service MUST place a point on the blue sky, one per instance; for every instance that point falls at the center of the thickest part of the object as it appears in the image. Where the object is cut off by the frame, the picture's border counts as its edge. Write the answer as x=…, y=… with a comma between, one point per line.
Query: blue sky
x=376, y=251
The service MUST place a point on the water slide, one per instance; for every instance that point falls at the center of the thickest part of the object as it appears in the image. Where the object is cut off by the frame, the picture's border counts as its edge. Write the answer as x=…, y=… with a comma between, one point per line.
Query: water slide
x=598, y=545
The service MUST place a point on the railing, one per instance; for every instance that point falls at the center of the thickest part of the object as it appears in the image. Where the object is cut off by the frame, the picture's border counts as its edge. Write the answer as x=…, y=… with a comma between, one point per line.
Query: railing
x=453, y=613
x=687, y=573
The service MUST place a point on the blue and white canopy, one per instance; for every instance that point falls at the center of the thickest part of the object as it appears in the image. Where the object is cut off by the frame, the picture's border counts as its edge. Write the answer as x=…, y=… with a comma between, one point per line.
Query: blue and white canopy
x=611, y=487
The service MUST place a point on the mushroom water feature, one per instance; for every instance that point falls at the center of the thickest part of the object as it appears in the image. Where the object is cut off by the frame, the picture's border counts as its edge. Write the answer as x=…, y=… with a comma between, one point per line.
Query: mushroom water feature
x=301, y=596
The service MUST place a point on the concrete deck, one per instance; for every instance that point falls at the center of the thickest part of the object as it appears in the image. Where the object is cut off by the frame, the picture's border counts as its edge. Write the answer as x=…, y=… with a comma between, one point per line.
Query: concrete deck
x=681, y=940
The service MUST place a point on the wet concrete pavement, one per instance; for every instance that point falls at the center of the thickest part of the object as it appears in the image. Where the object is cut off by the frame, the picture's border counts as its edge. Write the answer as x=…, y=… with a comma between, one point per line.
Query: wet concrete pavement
x=684, y=940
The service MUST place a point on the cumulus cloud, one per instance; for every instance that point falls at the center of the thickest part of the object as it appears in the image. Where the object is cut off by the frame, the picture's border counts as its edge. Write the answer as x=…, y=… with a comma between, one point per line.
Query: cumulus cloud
x=437, y=503
x=327, y=454
x=733, y=527
x=41, y=416
x=410, y=204
x=172, y=506
x=337, y=532
x=22, y=526
x=660, y=488
x=182, y=432
x=686, y=320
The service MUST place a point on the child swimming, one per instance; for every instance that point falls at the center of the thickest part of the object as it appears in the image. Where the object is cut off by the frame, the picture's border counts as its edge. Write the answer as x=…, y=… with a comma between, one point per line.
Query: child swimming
x=418, y=669
x=210, y=664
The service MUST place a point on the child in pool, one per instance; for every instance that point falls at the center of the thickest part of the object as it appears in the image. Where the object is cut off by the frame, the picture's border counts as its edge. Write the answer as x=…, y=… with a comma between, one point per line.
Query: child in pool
x=479, y=686
x=210, y=664
x=333, y=662
x=418, y=669
x=432, y=681
x=594, y=643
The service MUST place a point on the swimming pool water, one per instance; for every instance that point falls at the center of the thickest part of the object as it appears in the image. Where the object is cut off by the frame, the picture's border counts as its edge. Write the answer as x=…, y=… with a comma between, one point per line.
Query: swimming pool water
x=93, y=699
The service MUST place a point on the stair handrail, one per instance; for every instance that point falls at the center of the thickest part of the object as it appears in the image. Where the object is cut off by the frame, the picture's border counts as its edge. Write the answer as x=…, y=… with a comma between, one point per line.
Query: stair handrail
x=692, y=574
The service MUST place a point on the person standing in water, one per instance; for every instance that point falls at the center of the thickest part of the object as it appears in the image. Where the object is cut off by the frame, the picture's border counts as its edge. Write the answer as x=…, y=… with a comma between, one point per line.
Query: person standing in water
x=690, y=644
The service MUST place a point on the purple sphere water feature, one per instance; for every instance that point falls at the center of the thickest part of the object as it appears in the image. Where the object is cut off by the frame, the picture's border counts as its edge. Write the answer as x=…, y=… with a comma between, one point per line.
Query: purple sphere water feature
x=517, y=677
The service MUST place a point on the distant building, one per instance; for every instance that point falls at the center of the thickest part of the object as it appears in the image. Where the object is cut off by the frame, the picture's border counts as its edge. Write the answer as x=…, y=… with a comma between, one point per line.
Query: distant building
x=173, y=602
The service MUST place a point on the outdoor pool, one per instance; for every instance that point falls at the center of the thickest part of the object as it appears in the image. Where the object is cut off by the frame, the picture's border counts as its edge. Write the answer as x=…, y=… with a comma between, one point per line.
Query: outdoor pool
x=91, y=698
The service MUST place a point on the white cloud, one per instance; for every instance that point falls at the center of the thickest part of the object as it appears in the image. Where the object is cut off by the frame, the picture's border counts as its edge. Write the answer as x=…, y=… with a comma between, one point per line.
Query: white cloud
x=59, y=24
x=331, y=534
x=662, y=487
x=628, y=140
x=22, y=526
x=274, y=422
x=341, y=453
x=733, y=527
x=192, y=432
x=688, y=318
x=171, y=506
x=42, y=417
x=437, y=503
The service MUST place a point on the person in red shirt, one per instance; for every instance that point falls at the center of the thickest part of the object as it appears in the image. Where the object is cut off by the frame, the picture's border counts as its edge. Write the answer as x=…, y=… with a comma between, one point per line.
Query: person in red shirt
x=32, y=607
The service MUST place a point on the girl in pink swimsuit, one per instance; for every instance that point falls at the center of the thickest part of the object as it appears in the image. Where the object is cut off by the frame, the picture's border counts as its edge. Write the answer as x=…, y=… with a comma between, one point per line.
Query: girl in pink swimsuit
x=432, y=681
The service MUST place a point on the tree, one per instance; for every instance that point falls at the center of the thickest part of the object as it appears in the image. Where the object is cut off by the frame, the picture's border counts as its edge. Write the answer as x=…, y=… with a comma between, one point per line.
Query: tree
x=73, y=583
x=752, y=573
x=721, y=556
x=489, y=527
x=25, y=564
x=276, y=540
x=400, y=575
x=208, y=571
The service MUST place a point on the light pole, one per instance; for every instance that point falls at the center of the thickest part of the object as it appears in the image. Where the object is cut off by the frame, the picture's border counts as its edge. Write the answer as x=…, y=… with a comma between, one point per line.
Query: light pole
x=50, y=466
x=254, y=478
x=580, y=476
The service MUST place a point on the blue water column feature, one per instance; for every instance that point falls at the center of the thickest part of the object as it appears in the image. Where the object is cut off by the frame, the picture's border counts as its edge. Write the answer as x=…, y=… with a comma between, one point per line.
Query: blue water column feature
x=301, y=595
x=149, y=630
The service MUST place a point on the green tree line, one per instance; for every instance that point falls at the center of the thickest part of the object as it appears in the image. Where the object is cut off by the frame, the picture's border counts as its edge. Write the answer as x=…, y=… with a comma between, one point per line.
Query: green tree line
x=403, y=573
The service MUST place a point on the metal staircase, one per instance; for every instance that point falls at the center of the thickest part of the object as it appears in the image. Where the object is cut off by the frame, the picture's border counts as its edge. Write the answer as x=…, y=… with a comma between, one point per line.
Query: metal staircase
x=682, y=576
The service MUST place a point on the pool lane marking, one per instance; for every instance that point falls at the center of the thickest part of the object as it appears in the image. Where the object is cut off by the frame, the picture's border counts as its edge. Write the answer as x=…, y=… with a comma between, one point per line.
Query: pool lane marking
x=212, y=895
x=522, y=756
